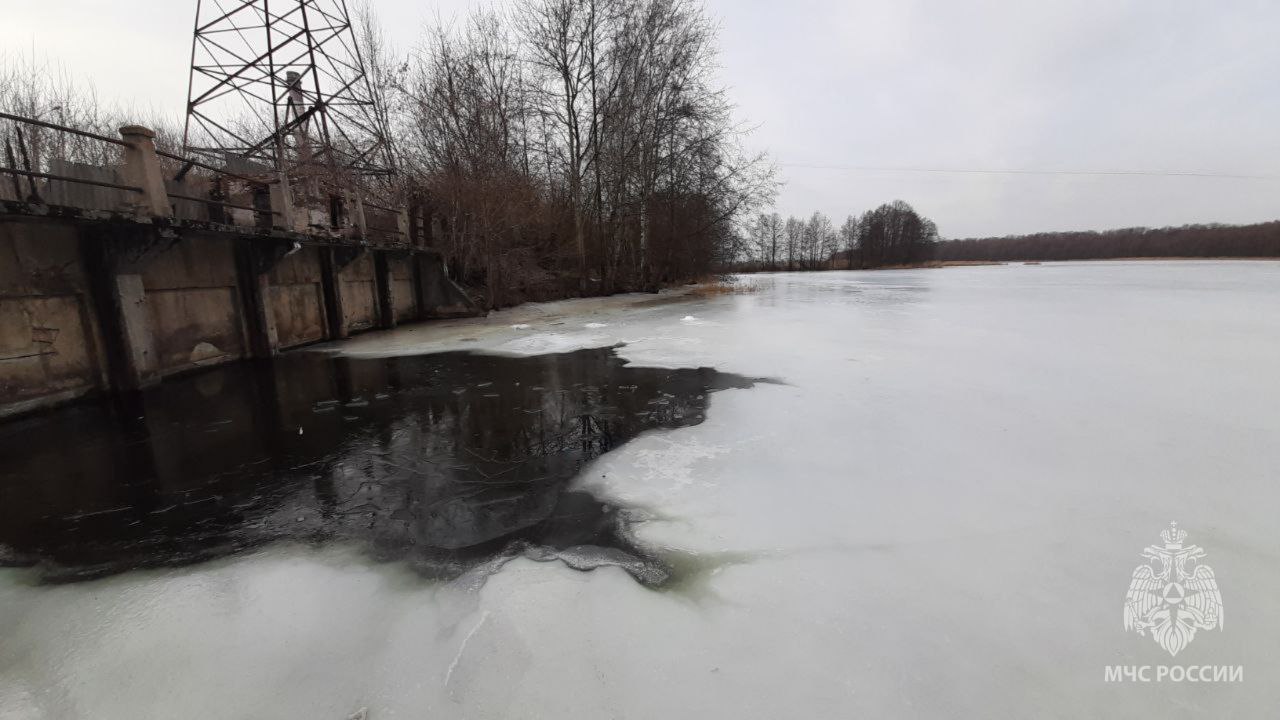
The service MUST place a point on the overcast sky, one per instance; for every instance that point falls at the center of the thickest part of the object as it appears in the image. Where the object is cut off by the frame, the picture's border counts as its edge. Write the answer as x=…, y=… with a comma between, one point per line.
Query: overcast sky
x=845, y=95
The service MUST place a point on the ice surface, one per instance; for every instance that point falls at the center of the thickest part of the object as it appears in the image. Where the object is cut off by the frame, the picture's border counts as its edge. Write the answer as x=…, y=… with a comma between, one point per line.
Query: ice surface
x=936, y=515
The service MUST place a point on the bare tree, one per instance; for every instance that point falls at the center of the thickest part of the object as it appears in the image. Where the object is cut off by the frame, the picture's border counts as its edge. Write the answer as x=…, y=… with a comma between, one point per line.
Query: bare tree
x=773, y=232
x=606, y=115
x=561, y=36
x=849, y=238
x=384, y=74
x=795, y=242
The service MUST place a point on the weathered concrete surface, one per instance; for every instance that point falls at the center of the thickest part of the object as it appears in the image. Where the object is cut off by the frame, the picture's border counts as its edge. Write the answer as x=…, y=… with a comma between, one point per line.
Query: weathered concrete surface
x=142, y=170
x=93, y=301
x=384, y=288
x=48, y=346
x=128, y=307
x=193, y=306
x=404, y=300
x=83, y=195
x=358, y=287
x=296, y=298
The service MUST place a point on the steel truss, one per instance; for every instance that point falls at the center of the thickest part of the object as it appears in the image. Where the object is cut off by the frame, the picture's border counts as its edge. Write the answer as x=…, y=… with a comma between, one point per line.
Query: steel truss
x=280, y=85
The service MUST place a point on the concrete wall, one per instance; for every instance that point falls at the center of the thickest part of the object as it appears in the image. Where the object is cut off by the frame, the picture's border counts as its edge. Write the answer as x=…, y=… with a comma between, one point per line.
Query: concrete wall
x=91, y=304
x=59, y=192
x=438, y=295
x=296, y=298
x=193, y=305
x=403, y=290
x=48, y=345
x=359, y=294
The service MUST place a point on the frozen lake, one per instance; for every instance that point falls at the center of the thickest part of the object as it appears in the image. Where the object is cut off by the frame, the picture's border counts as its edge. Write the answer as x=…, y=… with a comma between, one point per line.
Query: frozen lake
x=882, y=494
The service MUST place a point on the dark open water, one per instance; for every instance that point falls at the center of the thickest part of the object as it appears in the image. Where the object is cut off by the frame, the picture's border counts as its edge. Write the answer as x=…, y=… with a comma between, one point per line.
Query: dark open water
x=444, y=461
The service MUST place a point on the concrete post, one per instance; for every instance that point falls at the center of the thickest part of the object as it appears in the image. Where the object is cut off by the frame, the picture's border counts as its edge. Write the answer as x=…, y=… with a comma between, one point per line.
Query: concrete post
x=142, y=168
x=120, y=304
x=265, y=341
x=129, y=301
x=358, y=216
x=419, y=286
x=282, y=205
x=252, y=271
x=331, y=285
x=386, y=290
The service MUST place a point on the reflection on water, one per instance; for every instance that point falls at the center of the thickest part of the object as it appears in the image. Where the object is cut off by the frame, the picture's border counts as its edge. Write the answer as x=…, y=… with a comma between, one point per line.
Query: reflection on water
x=444, y=461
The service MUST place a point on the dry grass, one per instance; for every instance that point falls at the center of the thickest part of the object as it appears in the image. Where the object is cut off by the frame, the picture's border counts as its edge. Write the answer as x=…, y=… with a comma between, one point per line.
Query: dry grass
x=939, y=264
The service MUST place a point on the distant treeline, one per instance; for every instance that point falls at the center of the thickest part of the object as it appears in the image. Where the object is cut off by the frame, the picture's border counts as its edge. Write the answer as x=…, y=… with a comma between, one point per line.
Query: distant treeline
x=892, y=234
x=1261, y=240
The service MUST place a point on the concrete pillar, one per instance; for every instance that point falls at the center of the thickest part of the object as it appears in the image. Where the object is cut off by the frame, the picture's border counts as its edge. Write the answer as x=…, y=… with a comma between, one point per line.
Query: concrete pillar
x=282, y=205
x=263, y=340
x=120, y=304
x=386, y=290
x=331, y=285
x=129, y=302
x=419, y=286
x=142, y=168
x=357, y=216
x=253, y=277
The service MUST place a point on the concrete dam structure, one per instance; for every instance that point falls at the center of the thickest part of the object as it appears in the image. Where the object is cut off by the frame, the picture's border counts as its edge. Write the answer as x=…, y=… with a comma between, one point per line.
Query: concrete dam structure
x=114, y=277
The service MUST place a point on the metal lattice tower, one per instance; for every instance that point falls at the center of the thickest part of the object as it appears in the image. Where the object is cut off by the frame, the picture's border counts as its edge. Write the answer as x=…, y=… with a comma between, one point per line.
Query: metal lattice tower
x=280, y=85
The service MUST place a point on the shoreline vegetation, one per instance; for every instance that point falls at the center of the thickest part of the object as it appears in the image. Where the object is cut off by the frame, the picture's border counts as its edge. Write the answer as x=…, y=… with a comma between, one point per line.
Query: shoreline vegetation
x=865, y=250
x=937, y=264
x=565, y=164
x=1258, y=240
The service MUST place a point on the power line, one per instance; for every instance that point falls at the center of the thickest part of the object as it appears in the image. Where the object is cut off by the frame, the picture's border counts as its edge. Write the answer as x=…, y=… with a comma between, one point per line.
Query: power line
x=971, y=171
